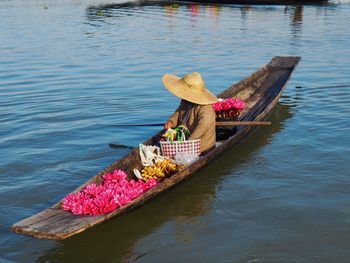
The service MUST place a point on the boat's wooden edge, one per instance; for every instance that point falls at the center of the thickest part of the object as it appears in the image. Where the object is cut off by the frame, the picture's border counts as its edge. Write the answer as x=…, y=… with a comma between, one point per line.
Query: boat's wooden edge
x=283, y=63
x=48, y=218
x=24, y=226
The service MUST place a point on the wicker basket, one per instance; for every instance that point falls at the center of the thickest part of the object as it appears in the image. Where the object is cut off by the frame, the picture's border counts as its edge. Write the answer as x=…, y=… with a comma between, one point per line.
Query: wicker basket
x=169, y=149
x=231, y=114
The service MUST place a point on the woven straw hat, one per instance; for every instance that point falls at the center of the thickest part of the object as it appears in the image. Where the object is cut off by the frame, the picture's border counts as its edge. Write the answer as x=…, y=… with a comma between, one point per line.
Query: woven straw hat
x=191, y=88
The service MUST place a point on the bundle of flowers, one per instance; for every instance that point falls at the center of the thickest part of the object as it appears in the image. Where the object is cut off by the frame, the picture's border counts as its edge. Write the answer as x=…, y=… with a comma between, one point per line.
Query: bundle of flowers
x=228, y=108
x=180, y=133
x=114, y=192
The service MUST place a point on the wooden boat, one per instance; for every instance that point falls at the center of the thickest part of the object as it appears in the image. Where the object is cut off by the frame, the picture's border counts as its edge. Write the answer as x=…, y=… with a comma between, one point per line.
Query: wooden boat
x=260, y=91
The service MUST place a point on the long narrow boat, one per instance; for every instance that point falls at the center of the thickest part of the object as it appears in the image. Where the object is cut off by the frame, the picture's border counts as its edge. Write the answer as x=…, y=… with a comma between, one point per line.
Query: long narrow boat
x=260, y=91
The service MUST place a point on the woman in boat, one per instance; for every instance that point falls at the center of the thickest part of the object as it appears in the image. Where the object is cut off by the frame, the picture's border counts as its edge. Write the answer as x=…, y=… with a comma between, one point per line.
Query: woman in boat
x=195, y=110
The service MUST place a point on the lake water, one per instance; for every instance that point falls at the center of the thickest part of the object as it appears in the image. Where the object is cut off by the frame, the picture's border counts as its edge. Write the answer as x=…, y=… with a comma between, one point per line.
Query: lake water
x=69, y=69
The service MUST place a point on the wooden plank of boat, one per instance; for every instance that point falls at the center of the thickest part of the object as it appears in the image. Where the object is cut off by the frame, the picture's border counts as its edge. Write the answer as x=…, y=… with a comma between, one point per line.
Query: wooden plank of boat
x=260, y=91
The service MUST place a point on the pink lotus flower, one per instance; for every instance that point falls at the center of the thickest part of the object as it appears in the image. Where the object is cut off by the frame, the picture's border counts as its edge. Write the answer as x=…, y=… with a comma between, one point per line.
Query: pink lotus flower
x=93, y=189
x=228, y=104
x=217, y=106
x=122, y=199
x=115, y=191
x=237, y=104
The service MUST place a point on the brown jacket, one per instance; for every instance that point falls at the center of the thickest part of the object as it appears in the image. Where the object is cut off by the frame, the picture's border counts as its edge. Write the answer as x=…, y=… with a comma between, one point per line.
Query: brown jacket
x=201, y=122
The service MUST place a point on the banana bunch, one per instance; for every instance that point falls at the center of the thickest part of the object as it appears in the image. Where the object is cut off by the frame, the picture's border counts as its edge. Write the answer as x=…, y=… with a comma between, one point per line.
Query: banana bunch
x=152, y=172
x=160, y=170
x=169, y=167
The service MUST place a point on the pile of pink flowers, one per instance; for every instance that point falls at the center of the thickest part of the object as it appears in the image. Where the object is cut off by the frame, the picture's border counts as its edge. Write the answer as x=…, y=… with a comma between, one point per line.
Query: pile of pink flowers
x=114, y=192
x=228, y=108
x=228, y=104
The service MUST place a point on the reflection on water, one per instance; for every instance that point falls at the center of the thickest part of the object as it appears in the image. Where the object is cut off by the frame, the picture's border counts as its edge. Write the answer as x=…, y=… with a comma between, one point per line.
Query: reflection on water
x=128, y=9
x=118, y=237
x=195, y=10
x=176, y=11
x=296, y=18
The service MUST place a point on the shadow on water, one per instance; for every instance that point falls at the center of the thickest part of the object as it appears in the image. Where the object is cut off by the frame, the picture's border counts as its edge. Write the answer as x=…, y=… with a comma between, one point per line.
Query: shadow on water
x=184, y=204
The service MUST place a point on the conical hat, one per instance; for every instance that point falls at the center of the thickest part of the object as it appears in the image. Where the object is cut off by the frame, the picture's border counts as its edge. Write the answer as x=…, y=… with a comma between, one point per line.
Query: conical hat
x=191, y=88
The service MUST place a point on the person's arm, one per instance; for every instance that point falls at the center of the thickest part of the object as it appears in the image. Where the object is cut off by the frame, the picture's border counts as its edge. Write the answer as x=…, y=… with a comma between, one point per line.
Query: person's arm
x=172, y=122
x=206, y=118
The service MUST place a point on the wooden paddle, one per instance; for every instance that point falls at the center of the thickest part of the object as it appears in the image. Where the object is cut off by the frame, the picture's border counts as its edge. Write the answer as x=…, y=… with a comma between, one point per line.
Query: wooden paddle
x=120, y=146
x=242, y=123
x=220, y=123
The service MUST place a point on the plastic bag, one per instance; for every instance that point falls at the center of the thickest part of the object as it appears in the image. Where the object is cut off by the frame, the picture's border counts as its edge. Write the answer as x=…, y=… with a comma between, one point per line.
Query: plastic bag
x=185, y=158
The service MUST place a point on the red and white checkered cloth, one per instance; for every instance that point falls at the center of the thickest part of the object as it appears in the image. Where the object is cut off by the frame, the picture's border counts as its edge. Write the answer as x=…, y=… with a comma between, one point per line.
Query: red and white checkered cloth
x=169, y=149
